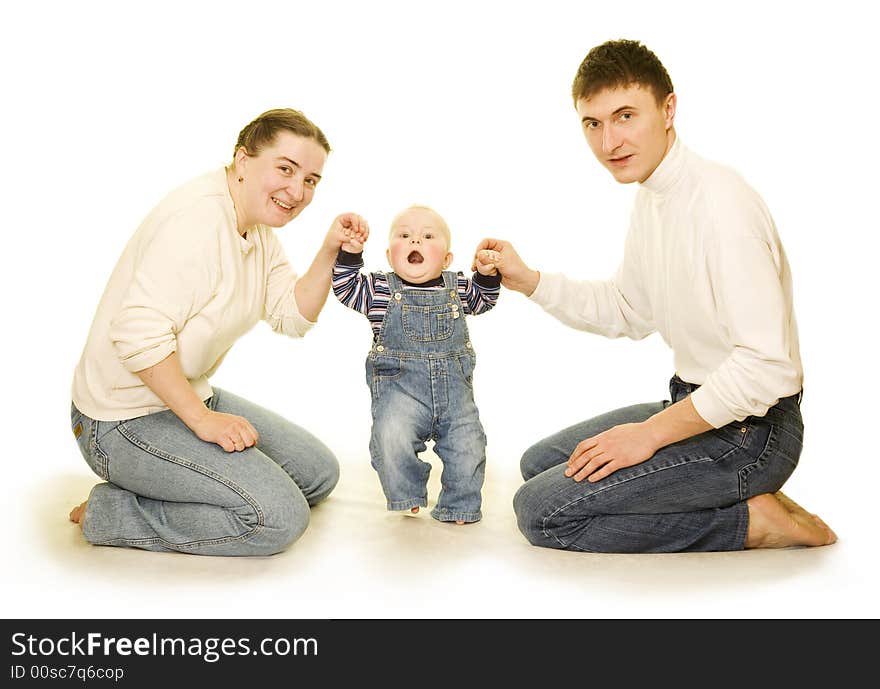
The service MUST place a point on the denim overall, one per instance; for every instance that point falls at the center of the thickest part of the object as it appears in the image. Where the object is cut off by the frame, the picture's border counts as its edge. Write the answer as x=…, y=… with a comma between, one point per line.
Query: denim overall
x=420, y=372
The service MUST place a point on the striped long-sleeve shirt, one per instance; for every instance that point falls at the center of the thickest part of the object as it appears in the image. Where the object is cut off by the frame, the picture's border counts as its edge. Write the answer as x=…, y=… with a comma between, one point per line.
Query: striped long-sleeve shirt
x=369, y=293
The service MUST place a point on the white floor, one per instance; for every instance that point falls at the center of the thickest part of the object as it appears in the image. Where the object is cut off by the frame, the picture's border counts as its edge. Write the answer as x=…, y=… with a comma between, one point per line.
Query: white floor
x=357, y=560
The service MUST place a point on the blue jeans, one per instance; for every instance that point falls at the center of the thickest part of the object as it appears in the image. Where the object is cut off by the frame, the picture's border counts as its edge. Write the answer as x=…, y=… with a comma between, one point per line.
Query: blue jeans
x=690, y=496
x=168, y=490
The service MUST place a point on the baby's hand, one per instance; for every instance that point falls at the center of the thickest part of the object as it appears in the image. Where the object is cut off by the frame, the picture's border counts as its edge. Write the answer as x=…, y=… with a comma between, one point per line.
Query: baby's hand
x=485, y=260
x=348, y=232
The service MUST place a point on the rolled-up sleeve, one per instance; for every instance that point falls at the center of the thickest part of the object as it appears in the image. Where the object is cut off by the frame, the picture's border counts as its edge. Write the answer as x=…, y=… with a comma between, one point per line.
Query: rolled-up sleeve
x=280, y=309
x=755, y=316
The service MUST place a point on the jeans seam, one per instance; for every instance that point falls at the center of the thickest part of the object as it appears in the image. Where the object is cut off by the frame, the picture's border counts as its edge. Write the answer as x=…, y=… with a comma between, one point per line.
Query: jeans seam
x=156, y=452
x=559, y=509
x=744, y=472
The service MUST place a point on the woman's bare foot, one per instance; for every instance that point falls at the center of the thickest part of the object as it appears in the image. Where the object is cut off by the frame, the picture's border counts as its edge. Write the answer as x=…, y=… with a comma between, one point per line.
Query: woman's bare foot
x=777, y=521
x=459, y=522
x=414, y=510
x=77, y=513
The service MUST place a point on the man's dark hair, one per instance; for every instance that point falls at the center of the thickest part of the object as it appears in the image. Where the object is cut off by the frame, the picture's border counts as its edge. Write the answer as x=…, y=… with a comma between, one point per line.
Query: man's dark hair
x=619, y=64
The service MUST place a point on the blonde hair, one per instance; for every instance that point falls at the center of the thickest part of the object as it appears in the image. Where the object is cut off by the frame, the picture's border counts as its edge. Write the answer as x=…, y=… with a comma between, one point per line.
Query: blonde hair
x=443, y=227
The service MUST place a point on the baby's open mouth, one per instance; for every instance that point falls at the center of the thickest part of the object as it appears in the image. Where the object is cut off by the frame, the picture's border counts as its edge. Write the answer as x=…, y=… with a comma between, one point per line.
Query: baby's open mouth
x=414, y=257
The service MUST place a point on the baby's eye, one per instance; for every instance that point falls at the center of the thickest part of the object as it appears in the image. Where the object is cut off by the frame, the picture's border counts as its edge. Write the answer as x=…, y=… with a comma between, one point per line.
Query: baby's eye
x=429, y=235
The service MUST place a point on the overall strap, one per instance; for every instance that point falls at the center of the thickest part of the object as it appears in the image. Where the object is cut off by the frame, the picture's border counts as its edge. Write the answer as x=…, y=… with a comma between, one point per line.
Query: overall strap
x=394, y=283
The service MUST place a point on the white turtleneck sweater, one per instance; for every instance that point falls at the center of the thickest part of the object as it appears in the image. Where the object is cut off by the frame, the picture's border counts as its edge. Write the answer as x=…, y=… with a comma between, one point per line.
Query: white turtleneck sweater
x=187, y=282
x=703, y=266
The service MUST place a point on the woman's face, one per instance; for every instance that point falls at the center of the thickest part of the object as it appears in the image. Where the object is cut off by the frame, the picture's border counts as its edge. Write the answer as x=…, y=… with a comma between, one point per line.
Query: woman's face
x=279, y=182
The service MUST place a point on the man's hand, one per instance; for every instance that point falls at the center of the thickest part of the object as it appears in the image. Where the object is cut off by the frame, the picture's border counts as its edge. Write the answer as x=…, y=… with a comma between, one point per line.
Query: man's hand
x=618, y=447
x=515, y=274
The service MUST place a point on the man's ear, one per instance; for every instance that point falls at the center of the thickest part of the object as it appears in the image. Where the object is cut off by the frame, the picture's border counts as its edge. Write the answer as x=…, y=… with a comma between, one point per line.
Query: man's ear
x=669, y=109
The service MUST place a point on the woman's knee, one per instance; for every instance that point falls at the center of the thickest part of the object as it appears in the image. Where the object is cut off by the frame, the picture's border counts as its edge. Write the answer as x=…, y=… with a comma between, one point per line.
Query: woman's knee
x=282, y=517
x=326, y=477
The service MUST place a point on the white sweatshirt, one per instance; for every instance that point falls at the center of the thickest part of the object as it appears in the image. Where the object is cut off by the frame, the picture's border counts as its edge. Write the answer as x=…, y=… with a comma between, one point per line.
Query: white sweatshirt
x=187, y=282
x=703, y=265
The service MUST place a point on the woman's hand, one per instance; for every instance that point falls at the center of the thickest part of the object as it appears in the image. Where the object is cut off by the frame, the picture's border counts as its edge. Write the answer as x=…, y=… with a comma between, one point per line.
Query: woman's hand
x=348, y=232
x=232, y=433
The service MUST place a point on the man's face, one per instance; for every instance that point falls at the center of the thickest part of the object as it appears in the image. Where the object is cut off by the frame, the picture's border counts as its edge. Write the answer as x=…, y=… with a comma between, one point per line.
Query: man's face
x=627, y=130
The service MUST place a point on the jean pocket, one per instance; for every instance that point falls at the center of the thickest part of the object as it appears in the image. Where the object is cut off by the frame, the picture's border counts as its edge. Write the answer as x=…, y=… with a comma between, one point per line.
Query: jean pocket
x=86, y=432
x=381, y=369
x=736, y=433
x=467, y=362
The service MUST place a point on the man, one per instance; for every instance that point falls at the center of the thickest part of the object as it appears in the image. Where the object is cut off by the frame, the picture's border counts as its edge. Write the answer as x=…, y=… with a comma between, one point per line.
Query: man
x=703, y=265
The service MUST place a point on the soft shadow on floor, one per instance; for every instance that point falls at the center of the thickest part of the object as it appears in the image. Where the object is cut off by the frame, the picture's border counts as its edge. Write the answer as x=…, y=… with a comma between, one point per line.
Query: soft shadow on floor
x=352, y=533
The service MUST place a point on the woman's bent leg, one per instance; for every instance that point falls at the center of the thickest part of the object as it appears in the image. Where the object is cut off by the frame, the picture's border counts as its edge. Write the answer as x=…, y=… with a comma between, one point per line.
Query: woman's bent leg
x=309, y=462
x=167, y=490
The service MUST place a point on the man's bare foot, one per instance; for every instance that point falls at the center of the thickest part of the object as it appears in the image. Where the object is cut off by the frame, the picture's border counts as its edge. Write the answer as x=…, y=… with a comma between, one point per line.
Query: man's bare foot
x=777, y=521
x=77, y=513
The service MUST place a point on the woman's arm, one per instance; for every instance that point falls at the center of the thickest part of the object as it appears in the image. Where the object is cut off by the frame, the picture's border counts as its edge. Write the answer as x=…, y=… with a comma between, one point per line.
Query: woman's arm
x=167, y=381
x=313, y=287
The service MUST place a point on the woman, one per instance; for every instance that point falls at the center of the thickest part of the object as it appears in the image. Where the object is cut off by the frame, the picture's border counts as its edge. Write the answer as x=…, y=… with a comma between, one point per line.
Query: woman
x=189, y=468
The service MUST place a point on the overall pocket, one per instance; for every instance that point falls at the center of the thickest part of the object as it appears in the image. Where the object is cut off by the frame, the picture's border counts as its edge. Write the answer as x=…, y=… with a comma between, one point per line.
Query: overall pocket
x=427, y=323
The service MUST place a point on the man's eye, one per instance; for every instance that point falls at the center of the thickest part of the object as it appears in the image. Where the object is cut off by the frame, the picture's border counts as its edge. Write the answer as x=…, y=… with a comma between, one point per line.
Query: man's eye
x=312, y=182
x=591, y=125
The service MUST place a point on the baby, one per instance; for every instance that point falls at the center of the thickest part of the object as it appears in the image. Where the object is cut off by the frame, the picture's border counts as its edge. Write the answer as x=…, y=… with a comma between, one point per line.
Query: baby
x=420, y=368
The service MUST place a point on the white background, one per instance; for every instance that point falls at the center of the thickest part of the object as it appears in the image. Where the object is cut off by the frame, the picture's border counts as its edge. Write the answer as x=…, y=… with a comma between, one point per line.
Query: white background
x=463, y=106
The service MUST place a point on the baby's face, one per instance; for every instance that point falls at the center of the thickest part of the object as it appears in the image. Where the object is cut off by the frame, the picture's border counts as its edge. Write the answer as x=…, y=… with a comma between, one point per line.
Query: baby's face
x=418, y=249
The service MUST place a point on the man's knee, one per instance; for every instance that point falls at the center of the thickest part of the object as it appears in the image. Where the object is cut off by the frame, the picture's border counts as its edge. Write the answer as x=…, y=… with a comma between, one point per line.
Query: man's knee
x=528, y=514
x=534, y=461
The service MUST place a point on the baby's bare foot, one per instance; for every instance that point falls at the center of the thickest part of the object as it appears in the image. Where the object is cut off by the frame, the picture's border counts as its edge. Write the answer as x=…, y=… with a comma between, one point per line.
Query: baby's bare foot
x=777, y=521
x=77, y=513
